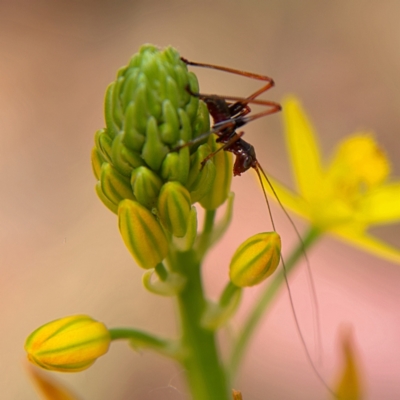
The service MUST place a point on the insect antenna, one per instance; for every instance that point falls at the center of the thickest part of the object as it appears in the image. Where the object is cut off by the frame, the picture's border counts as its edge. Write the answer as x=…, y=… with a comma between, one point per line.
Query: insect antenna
x=261, y=174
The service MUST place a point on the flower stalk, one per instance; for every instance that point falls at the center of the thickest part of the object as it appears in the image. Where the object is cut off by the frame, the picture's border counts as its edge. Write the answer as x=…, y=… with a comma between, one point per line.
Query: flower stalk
x=150, y=171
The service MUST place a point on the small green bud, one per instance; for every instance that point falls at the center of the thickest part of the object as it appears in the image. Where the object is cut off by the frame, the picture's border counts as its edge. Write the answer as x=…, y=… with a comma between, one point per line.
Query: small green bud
x=103, y=144
x=255, y=259
x=142, y=234
x=174, y=206
x=146, y=186
x=200, y=178
x=170, y=128
x=69, y=344
x=97, y=161
x=112, y=127
x=105, y=200
x=114, y=185
x=133, y=158
x=154, y=150
x=202, y=122
x=186, y=133
x=117, y=156
x=176, y=166
x=132, y=137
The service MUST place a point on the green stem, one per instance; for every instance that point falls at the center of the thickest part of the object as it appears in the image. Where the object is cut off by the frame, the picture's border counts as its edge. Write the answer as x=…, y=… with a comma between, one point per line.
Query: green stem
x=143, y=339
x=204, y=371
x=206, y=234
x=266, y=298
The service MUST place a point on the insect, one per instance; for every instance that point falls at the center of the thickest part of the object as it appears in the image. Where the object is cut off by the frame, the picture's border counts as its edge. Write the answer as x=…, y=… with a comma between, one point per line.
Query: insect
x=228, y=117
x=229, y=113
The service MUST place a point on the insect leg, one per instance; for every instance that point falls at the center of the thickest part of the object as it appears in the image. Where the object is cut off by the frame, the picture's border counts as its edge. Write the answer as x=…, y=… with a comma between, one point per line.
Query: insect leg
x=225, y=146
x=239, y=106
x=220, y=126
x=270, y=82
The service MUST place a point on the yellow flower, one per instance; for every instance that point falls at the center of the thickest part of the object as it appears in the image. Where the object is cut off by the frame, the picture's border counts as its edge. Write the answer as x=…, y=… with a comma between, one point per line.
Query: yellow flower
x=69, y=344
x=345, y=196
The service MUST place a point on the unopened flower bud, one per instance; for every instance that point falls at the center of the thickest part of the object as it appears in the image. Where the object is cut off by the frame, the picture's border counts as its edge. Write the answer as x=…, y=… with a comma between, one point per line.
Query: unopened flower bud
x=69, y=344
x=200, y=178
x=176, y=166
x=142, y=234
x=146, y=186
x=174, y=206
x=114, y=185
x=221, y=185
x=255, y=259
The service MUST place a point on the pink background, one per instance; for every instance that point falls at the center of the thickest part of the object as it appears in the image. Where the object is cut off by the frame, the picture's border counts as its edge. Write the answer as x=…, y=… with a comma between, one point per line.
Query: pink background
x=61, y=253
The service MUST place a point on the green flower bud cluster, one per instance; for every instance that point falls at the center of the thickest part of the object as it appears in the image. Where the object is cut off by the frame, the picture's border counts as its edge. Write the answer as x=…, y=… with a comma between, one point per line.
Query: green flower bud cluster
x=149, y=113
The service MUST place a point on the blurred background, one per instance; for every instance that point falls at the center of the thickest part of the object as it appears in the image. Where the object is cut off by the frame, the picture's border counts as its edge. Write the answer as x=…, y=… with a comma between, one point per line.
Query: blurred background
x=61, y=252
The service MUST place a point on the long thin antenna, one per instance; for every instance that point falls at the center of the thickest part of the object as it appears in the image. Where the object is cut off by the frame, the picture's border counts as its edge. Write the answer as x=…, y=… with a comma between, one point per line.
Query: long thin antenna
x=316, y=312
x=298, y=328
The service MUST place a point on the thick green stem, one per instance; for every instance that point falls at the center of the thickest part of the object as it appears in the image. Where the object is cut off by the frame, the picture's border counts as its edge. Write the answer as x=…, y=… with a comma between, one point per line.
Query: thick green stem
x=266, y=298
x=204, y=371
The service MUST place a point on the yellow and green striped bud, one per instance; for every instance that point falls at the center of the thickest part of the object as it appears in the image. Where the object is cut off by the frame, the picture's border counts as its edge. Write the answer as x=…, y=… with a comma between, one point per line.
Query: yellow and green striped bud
x=221, y=185
x=255, y=259
x=142, y=234
x=114, y=185
x=146, y=186
x=200, y=183
x=69, y=344
x=174, y=206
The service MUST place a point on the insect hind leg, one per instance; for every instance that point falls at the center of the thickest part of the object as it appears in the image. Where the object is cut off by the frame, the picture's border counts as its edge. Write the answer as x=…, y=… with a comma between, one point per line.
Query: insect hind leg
x=270, y=82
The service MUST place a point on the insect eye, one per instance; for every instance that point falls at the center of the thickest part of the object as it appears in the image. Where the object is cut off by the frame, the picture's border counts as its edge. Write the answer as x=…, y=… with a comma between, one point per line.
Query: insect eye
x=248, y=162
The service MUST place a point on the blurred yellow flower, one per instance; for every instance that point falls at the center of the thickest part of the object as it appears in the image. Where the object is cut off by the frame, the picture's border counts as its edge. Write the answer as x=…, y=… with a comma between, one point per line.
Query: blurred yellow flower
x=345, y=196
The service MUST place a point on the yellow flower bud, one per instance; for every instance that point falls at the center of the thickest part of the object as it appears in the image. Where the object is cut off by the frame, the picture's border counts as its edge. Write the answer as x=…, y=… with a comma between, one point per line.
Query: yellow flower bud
x=174, y=206
x=255, y=259
x=200, y=179
x=69, y=344
x=142, y=234
x=221, y=185
x=146, y=185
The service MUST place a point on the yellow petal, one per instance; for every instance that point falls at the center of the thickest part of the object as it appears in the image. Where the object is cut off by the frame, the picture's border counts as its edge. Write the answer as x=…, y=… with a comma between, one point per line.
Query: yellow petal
x=288, y=199
x=303, y=149
x=382, y=206
x=368, y=243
